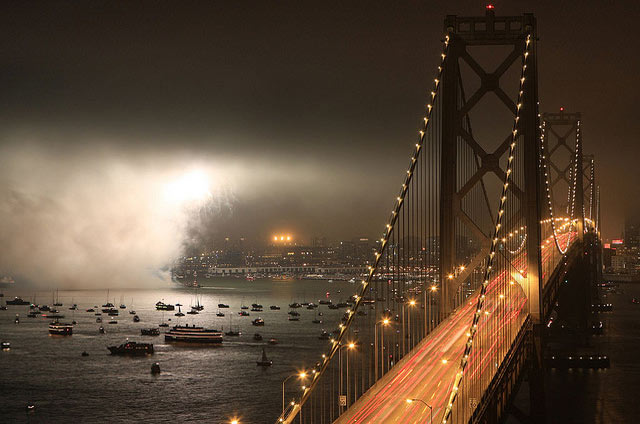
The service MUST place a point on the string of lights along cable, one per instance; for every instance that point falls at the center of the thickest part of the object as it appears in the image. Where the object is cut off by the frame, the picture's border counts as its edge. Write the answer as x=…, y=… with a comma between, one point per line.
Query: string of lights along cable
x=456, y=285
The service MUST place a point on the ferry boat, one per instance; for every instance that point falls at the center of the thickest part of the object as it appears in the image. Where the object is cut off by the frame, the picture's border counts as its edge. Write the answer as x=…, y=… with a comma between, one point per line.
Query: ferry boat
x=132, y=348
x=193, y=334
x=18, y=301
x=60, y=329
x=161, y=306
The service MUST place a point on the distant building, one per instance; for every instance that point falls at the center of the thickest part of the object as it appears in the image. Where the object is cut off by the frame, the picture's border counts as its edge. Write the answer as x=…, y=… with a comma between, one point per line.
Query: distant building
x=632, y=234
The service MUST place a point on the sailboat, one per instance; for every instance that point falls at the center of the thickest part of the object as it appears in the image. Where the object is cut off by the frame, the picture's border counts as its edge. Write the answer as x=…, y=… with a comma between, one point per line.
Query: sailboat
x=232, y=333
x=264, y=361
x=163, y=324
x=108, y=304
x=122, y=305
x=219, y=314
x=57, y=300
x=179, y=313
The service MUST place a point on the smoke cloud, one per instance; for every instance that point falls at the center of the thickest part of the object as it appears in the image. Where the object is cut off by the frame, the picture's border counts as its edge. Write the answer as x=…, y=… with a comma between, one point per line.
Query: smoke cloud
x=94, y=217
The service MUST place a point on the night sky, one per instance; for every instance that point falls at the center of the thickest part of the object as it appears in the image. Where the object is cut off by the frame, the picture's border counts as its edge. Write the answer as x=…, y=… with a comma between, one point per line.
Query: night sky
x=305, y=112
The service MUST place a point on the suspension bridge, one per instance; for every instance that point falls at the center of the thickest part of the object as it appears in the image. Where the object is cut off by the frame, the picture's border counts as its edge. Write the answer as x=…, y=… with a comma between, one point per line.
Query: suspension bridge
x=491, y=219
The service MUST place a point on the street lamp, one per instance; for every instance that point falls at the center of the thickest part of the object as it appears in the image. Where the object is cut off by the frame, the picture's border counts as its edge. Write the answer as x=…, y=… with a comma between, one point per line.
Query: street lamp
x=426, y=404
x=349, y=346
x=385, y=322
x=300, y=375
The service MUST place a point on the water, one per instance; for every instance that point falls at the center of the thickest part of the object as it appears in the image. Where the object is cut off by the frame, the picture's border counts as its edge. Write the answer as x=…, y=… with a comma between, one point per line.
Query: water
x=214, y=384
x=203, y=384
x=604, y=396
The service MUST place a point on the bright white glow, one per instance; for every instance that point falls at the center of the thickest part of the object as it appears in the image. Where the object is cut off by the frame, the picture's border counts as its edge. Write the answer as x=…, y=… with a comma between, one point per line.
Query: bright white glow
x=193, y=186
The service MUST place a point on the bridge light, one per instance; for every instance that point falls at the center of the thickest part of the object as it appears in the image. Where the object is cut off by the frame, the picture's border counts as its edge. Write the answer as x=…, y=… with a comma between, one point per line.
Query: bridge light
x=444, y=361
x=490, y=6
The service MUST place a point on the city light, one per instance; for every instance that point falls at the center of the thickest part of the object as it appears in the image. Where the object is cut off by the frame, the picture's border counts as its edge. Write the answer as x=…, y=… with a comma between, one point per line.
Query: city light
x=282, y=238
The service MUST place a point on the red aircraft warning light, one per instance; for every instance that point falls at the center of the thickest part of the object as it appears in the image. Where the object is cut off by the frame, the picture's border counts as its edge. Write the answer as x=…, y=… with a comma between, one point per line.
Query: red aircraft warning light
x=561, y=109
x=490, y=6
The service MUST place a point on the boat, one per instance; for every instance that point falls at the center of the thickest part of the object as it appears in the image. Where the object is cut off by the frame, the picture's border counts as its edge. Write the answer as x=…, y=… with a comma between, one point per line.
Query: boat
x=258, y=322
x=312, y=306
x=243, y=313
x=5, y=345
x=17, y=301
x=164, y=324
x=90, y=310
x=257, y=337
x=332, y=306
x=17, y=319
x=193, y=312
x=295, y=305
x=101, y=330
x=222, y=305
x=57, y=300
x=179, y=313
x=149, y=332
x=108, y=304
x=113, y=312
x=60, y=329
x=73, y=307
x=324, y=335
x=324, y=302
x=132, y=348
x=294, y=313
x=193, y=334
x=316, y=320
x=122, y=305
x=264, y=361
x=52, y=315
x=136, y=318
x=219, y=314
x=155, y=368
x=273, y=341
x=161, y=306
x=232, y=333
x=85, y=353
x=198, y=306
x=98, y=319
x=132, y=312
x=256, y=309
x=256, y=305
x=274, y=307
x=113, y=321
x=244, y=307
x=294, y=318
x=32, y=314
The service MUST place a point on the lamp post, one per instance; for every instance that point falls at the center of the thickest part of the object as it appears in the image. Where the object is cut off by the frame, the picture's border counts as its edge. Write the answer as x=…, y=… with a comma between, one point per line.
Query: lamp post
x=411, y=304
x=426, y=404
x=385, y=322
x=300, y=375
x=349, y=346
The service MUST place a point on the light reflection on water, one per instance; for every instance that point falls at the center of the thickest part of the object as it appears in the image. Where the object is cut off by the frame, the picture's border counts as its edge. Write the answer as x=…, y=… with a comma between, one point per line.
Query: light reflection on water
x=208, y=384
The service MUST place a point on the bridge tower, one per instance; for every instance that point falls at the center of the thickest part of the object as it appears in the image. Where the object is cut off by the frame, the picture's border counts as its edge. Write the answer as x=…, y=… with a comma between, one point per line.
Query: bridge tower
x=491, y=33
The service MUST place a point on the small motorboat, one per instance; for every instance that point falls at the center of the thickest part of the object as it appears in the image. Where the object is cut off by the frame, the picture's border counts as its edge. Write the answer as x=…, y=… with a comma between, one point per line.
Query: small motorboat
x=113, y=321
x=193, y=312
x=155, y=368
x=274, y=307
x=73, y=307
x=5, y=345
x=132, y=312
x=273, y=341
x=264, y=361
x=257, y=337
x=164, y=324
x=258, y=322
x=243, y=313
x=101, y=330
x=98, y=319
x=179, y=313
x=136, y=318
x=222, y=305
x=85, y=353
x=90, y=310
x=220, y=314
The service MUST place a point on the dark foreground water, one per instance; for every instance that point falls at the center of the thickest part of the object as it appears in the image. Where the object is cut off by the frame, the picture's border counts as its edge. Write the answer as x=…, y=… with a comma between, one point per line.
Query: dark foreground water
x=214, y=384
x=197, y=384
x=605, y=396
